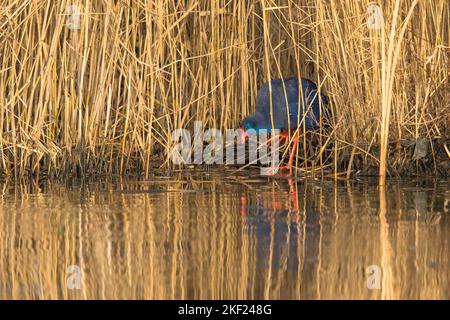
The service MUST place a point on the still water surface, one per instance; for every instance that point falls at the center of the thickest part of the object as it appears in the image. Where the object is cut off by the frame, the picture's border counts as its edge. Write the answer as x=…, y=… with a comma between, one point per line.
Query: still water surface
x=216, y=236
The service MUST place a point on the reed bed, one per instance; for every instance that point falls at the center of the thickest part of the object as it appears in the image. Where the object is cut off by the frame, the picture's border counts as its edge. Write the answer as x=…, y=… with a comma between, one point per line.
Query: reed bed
x=104, y=98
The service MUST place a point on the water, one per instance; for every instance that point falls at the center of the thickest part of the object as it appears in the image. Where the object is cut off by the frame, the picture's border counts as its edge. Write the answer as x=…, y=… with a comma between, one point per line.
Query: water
x=216, y=236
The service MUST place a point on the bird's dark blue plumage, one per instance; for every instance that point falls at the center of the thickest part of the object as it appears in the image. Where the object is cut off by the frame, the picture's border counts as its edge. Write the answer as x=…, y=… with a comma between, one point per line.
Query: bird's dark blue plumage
x=309, y=110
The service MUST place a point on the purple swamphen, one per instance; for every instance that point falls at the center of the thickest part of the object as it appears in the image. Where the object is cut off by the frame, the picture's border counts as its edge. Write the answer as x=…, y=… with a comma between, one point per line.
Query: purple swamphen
x=304, y=110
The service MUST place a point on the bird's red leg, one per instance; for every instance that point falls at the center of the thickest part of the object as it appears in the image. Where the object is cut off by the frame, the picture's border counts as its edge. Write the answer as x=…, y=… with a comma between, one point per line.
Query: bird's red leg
x=294, y=149
x=292, y=154
x=280, y=137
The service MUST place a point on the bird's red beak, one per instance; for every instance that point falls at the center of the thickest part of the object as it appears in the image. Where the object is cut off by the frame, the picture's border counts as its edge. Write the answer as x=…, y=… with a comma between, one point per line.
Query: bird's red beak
x=243, y=135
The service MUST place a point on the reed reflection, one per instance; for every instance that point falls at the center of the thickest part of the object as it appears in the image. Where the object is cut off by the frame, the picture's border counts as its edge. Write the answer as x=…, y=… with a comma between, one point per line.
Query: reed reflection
x=211, y=237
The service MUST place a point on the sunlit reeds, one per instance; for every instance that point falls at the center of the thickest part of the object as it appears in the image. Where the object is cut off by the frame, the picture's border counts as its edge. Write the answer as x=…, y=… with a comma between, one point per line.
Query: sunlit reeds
x=105, y=98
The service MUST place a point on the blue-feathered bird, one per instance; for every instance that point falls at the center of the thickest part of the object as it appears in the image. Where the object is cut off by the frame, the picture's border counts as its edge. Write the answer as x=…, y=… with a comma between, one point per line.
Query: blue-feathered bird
x=301, y=109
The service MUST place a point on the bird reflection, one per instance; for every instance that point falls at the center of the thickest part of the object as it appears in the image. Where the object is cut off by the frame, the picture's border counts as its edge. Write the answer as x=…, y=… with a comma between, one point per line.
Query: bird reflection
x=284, y=234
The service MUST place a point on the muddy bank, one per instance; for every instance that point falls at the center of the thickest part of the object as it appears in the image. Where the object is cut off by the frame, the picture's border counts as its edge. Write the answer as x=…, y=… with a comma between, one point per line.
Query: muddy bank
x=406, y=158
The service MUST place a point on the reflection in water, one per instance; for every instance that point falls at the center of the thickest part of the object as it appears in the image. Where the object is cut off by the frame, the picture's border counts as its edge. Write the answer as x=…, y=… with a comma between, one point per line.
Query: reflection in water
x=216, y=237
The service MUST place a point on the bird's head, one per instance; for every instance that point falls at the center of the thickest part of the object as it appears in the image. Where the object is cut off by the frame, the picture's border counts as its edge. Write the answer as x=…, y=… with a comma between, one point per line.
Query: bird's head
x=246, y=124
x=243, y=135
x=255, y=122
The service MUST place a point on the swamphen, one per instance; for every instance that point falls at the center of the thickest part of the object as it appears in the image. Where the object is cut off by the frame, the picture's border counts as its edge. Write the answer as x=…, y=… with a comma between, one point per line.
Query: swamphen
x=306, y=113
